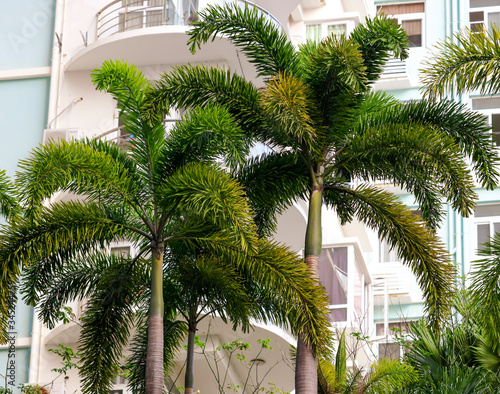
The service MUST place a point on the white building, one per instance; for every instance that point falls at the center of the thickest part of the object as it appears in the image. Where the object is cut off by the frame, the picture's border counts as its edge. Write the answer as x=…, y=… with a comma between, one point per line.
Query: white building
x=370, y=289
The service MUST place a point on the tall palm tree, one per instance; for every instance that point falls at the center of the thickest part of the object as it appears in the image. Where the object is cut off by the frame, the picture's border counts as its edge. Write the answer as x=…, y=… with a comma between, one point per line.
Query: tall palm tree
x=469, y=62
x=153, y=195
x=332, y=137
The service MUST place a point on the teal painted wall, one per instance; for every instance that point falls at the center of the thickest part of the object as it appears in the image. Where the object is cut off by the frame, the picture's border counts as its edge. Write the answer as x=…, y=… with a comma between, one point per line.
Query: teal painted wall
x=16, y=367
x=26, y=38
x=25, y=105
x=26, y=33
x=403, y=312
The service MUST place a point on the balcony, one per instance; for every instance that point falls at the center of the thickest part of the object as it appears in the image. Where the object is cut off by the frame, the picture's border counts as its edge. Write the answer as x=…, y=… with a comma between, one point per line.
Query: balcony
x=125, y=15
x=153, y=33
x=395, y=68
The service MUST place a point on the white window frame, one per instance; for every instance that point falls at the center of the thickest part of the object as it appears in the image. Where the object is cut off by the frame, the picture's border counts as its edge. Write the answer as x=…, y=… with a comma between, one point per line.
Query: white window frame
x=485, y=220
x=487, y=11
x=488, y=114
x=349, y=24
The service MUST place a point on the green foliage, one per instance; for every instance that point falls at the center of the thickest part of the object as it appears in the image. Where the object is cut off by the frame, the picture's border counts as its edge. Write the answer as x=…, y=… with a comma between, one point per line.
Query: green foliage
x=384, y=376
x=182, y=210
x=67, y=354
x=468, y=62
x=327, y=132
x=455, y=359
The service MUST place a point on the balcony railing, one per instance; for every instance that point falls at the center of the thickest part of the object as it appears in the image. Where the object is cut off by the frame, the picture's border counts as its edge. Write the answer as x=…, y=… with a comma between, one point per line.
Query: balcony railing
x=397, y=277
x=395, y=68
x=125, y=15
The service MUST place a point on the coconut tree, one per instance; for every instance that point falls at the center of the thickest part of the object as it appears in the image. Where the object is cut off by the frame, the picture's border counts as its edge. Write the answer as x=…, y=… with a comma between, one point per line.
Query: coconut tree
x=152, y=195
x=331, y=136
x=470, y=61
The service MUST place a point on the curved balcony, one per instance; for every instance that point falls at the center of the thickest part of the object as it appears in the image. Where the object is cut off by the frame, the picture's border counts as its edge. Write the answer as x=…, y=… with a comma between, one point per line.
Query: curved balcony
x=152, y=32
x=125, y=15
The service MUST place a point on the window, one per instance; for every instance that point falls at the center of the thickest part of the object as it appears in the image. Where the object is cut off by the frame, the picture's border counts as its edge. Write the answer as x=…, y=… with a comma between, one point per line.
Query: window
x=389, y=351
x=490, y=108
x=410, y=16
x=334, y=277
x=487, y=222
x=484, y=14
x=120, y=251
x=136, y=14
x=316, y=32
x=388, y=255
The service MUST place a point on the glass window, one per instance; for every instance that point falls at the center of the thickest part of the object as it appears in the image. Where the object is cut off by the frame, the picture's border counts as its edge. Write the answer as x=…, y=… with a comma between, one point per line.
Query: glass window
x=337, y=30
x=414, y=30
x=334, y=277
x=487, y=17
x=390, y=351
x=313, y=32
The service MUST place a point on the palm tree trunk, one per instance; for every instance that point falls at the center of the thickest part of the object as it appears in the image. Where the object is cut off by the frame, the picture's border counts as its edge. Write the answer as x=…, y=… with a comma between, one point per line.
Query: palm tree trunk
x=189, y=378
x=154, y=358
x=306, y=376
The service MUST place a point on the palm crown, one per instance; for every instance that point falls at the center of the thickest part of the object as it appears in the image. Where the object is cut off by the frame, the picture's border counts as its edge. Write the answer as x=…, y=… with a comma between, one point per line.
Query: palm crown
x=330, y=132
x=163, y=195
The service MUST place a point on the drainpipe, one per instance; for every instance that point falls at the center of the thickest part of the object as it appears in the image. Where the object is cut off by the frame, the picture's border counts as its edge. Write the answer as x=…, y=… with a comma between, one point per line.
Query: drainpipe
x=55, y=73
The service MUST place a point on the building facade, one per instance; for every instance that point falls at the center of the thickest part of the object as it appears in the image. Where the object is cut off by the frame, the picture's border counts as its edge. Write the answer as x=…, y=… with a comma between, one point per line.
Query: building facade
x=49, y=50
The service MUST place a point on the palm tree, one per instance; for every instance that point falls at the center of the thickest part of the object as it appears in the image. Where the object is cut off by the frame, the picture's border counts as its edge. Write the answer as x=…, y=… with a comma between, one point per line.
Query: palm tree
x=470, y=62
x=154, y=196
x=330, y=132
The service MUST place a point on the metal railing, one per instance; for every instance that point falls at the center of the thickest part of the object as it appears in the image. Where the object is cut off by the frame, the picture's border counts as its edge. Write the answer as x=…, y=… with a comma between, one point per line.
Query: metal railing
x=125, y=15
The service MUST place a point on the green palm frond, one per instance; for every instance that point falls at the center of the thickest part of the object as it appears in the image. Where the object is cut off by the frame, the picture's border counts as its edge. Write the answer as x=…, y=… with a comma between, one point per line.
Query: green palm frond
x=333, y=66
x=260, y=39
x=467, y=127
x=272, y=183
x=192, y=86
x=469, y=62
x=209, y=193
x=50, y=287
x=130, y=88
x=106, y=326
x=206, y=134
x=379, y=39
x=423, y=161
x=388, y=376
x=487, y=351
x=341, y=361
x=76, y=167
x=416, y=245
x=285, y=103
x=284, y=286
x=65, y=231
x=9, y=204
